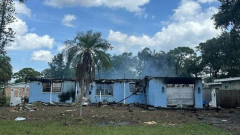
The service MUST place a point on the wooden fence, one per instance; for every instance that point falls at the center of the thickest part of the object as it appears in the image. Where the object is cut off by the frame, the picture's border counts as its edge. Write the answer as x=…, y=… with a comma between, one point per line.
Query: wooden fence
x=225, y=98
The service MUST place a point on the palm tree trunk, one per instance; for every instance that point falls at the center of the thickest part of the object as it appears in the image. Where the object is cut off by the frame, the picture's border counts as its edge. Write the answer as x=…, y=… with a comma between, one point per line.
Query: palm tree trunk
x=81, y=99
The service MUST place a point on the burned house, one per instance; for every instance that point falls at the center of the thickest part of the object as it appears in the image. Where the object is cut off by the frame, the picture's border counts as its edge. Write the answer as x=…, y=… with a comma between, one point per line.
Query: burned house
x=117, y=90
x=52, y=90
x=154, y=91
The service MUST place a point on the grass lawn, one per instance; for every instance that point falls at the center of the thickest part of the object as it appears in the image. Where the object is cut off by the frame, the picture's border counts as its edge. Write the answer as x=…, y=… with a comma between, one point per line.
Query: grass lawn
x=82, y=128
x=108, y=120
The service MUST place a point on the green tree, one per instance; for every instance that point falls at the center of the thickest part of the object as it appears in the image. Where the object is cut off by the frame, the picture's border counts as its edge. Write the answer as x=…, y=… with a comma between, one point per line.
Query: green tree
x=228, y=17
x=123, y=66
x=5, y=69
x=25, y=73
x=7, y=10
x=145, y=55
x=220, y=54
x=228, y=14
x=89, y=51
x=58, y=68
x=194, y=66
x=47, y=73
x=180, y=55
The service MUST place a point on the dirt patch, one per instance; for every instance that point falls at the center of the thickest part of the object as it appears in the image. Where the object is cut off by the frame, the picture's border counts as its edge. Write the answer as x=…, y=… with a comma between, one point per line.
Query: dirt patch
x=228, y=119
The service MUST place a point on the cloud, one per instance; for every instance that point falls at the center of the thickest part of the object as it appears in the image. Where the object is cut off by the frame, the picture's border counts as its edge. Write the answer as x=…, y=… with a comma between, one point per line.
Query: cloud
x=67, y=20
x=188, y=26
x=21, y=8
x=41, y=55
x=135, y=6
x=153, y=17
x=61, y=48
x=23, y=39
x=207, y=1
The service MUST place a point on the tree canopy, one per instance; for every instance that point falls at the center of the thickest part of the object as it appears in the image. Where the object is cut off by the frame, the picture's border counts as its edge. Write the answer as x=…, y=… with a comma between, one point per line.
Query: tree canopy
x=25, y=73
x=58, y=68
x=5, y=69
x=228, y=14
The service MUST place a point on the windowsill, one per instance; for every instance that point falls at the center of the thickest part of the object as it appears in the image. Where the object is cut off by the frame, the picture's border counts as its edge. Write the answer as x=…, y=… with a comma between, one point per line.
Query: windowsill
x=136, y=93
x=50, y=92
x=104, y=95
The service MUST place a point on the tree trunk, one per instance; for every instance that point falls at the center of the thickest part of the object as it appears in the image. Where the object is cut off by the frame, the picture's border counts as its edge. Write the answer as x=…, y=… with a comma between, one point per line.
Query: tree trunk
x=2, y=21
x=81, y=99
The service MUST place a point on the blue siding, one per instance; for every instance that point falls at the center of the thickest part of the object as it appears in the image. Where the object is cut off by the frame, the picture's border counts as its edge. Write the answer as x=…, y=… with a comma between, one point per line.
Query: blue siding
x=118, y=94
x=150, y=92
x=36, y=94
x=155, y=96
x=68, y=86
x=198, y=94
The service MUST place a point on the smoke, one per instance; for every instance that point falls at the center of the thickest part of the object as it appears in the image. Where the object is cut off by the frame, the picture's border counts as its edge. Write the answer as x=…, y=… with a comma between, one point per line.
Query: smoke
x=126, y=66
x=163, y=69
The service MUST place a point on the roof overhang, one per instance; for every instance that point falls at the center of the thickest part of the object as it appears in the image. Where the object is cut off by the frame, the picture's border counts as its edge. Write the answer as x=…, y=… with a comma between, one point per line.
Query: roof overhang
x=228, y=79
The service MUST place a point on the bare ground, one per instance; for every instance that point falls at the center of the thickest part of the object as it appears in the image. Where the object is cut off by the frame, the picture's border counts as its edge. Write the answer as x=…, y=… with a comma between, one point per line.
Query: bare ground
x=227, y=119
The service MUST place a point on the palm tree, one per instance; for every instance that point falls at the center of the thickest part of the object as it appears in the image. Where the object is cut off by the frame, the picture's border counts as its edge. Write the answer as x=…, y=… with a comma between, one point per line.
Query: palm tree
x=88, y=52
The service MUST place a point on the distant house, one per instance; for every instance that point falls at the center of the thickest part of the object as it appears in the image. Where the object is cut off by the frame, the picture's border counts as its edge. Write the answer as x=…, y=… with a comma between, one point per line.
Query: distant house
x=229, y=83
x=51, y=90
x=211, y=86
x=19, y=89
x=155, y=91
x=225, y=84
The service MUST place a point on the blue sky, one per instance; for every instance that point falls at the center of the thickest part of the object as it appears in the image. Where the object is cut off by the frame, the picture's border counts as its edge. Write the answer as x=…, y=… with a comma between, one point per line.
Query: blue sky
x=42, y=26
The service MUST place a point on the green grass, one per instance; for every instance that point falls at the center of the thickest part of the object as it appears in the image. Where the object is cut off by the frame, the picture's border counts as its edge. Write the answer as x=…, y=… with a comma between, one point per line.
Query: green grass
x=80, y=128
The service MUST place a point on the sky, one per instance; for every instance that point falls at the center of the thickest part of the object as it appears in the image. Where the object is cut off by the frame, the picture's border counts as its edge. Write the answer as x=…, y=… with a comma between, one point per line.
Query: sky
x=42, y=26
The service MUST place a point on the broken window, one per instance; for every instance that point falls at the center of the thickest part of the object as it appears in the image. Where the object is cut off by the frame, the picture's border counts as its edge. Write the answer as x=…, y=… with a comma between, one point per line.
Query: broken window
x=132, y=87
x=47, y=86
x=106, y=89
x=57, y=87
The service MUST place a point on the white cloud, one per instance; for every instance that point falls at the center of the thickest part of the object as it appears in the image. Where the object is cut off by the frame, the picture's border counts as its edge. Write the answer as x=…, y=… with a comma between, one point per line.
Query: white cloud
x=153, y=17
x=24, y=40
x=117, y=36
x=130, y=5
x=21, y=8
x=61, y=48
x=41, y=55
x=189, y=25
x=67, y=20
x=207, y=1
